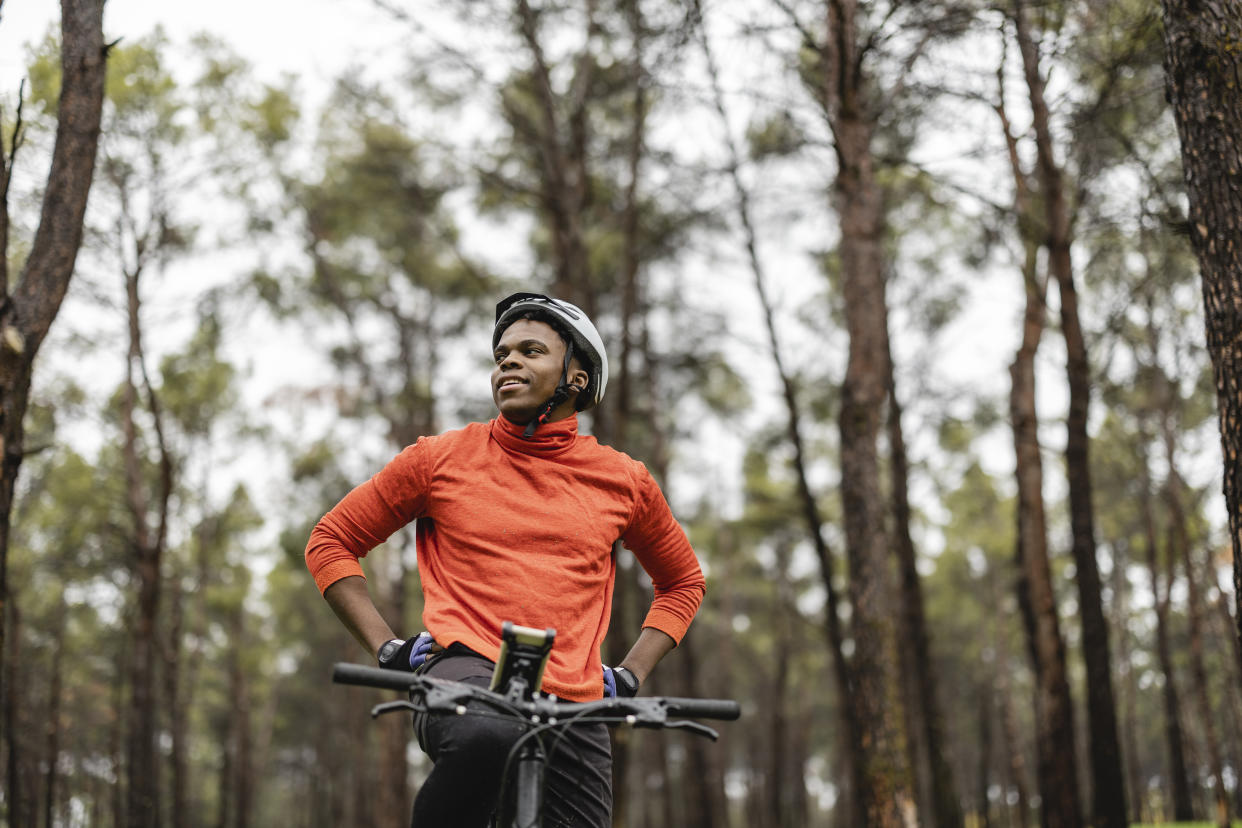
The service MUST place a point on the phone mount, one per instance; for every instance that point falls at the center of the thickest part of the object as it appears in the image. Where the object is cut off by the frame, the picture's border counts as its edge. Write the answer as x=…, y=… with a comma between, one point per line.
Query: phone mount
x=523, y=656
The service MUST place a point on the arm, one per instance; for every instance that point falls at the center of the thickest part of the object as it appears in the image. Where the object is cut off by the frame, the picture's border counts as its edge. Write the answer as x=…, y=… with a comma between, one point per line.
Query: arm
x=351, y=601
x=661, y=547
x=651, y=646
x=364, y=519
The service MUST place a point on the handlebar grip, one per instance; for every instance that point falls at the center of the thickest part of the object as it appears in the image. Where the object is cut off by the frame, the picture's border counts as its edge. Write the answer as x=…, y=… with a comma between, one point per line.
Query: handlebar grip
x=725, y=709
x=347, y=673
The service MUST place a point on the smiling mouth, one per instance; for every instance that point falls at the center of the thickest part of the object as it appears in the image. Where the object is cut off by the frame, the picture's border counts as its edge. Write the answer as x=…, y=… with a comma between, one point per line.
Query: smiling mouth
x=509, y=382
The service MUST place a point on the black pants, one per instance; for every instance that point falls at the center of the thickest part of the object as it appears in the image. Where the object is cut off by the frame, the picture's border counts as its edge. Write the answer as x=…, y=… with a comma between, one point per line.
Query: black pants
x=469, y=753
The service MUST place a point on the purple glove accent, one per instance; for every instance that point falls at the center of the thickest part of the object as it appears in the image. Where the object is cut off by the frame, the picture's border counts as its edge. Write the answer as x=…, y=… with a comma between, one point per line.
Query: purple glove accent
x=422, y=648
x=610, y=684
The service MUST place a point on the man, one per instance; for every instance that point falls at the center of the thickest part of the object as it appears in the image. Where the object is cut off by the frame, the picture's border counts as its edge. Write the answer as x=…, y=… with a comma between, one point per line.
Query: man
x=516, y=520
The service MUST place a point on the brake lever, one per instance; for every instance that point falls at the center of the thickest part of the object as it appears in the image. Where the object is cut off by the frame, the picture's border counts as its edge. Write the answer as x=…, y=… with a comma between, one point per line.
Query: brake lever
x=392, y=707
x=443, y=699
x=694, y=727
x=433, y=700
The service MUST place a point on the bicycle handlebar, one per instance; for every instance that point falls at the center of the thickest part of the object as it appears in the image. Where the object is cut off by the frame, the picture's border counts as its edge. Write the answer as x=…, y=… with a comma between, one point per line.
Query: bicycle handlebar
x=348, y=673
x=724, y=709
x=644, y=709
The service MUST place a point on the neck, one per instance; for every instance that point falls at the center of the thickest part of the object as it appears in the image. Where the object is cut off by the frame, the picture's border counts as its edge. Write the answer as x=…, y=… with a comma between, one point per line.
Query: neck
x=549, y=440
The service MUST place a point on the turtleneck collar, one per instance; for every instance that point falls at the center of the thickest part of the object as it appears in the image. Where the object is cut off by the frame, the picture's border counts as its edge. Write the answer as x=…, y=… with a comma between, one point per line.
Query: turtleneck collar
x=549, y=440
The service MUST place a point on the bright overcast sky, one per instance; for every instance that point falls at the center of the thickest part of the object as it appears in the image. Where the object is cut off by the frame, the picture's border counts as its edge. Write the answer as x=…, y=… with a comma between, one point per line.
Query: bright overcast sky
x=314, y=39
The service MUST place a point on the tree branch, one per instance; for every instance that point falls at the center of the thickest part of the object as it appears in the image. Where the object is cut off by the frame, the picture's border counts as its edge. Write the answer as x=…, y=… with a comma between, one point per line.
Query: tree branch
x=6, y=177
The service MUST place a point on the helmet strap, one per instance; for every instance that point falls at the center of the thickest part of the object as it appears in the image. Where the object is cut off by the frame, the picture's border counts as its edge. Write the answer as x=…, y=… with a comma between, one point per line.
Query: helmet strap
x=560, y=395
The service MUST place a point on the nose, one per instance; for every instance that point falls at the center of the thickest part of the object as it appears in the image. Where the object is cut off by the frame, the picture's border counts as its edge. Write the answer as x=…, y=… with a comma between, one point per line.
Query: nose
x=508, y=361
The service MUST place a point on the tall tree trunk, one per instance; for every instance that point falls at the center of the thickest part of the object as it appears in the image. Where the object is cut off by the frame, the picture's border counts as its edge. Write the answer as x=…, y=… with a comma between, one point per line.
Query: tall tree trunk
x=1056, y=765
x=850, y=741
x=19, y=808
x=613, y=421
x=627, y=597
x=1130, y=690
x=178, y=729
x=237, y=770
x=147, y=544
x=53, y=724
x=1180, y=548
x=564, y=167
x=240, y=693
x=28, y=309
x=1054, y=710
x=1203, y=65
x=1178, y=776
x=983, y=814
x=1232, y=679
x=1226, y=619
x=392, y=800
x=783, y=767
x=117, y=739
x=1015, y=761
x=704, y=785
x=885, y=793
x=228, y=762
x=1108, y=809
x=1014, y=773
x=938, y=796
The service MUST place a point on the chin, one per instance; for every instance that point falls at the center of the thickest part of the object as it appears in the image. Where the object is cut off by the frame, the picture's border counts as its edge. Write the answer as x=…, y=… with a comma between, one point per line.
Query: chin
x=517, y=417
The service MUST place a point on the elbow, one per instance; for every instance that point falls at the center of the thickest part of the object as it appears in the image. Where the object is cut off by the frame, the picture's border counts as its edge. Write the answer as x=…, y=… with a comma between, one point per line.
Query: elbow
x=327, y=559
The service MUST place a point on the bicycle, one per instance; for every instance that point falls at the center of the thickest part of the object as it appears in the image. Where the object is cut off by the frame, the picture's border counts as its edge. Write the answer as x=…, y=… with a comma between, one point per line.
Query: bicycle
x=542, y=715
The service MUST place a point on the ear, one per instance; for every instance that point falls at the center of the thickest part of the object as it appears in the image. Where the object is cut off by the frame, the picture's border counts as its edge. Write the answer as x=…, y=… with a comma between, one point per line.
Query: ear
x=579, y=379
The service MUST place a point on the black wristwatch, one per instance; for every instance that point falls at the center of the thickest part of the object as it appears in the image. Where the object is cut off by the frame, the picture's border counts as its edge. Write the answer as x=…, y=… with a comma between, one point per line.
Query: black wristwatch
x=627, y=682
x=387, y=652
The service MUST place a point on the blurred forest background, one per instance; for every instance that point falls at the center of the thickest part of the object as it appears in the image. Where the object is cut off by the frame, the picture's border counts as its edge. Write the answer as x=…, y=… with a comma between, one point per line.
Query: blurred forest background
x=904, y=314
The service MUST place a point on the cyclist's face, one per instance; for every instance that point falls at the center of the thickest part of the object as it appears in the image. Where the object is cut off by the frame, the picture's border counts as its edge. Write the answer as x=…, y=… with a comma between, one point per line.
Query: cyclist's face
x=529, y=358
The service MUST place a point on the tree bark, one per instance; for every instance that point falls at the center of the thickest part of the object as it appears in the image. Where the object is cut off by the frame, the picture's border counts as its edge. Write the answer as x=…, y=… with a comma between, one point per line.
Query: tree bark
x=1180, y=549
x=178, y=708
x=1179, y=778
x=983, y=814
x=27, y=312
x=1130, y=690
x=834, y=632
x=239, y=693
x=1054, y=710
x=1203, y=65
x=876, y=703
x=706, y=803
x=561, y=142
x=392, y=801
x=52, y=726
x=1226, y=620
x=1015, y=761
x=613, y=420
x=938, y=795
x=1108, y=808
x=784, y=767
x=19, y=808
x=1056, y=765
x=149, y=535
x=1232, y=679
x=116, y=738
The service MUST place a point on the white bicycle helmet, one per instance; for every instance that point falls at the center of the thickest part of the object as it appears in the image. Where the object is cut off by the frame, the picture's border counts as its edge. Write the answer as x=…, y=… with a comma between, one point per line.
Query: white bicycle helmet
x=585, y=343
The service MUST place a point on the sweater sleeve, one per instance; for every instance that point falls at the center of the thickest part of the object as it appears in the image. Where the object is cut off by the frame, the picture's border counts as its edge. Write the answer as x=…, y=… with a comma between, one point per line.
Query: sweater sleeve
x=661, y=546
x=368, y=516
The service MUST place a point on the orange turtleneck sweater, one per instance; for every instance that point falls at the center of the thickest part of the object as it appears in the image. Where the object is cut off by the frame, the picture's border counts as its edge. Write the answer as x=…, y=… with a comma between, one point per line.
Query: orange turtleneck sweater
x=510, y=529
